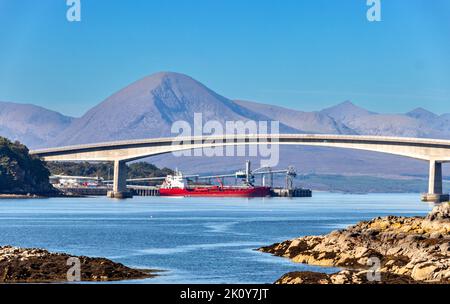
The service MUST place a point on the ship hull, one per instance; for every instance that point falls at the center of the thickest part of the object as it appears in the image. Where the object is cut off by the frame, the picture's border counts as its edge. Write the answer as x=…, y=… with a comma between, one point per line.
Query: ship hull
x=216, y=192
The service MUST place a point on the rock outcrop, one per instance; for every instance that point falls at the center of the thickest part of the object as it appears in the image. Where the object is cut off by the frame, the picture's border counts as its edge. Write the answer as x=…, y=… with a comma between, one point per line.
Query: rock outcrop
x=21, y=173
x=343, y=277
x=18, y=265
x=408, y=249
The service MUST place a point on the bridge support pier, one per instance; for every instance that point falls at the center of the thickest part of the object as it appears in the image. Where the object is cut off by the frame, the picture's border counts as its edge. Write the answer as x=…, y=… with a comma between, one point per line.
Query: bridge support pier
x=435, y=193
x=120, y=190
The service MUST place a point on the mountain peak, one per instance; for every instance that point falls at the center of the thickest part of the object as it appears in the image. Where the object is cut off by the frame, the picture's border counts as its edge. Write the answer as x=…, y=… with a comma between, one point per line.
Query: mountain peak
x=163, y=78
x=422, y=114
x=149, y=107
x=346, y=111
x=168, y=75
x=347, y=103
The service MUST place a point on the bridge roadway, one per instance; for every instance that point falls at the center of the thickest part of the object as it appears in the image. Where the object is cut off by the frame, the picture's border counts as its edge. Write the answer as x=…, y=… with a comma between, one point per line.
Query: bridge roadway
x=434, y=151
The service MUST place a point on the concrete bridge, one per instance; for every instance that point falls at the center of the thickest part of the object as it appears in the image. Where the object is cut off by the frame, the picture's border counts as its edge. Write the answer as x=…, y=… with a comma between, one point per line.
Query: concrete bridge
x=434, y=151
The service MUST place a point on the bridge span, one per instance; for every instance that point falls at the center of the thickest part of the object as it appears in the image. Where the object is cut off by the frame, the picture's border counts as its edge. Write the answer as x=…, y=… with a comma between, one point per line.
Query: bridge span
x=434, y=151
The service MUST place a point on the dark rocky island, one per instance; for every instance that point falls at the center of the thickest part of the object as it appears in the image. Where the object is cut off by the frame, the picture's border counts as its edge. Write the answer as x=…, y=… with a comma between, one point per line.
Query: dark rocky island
x=19, y=265
x=22, y=174
x=410, y=250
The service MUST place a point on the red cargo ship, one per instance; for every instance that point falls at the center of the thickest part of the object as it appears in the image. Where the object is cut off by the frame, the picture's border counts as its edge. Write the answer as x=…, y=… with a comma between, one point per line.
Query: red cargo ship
x=174, y=185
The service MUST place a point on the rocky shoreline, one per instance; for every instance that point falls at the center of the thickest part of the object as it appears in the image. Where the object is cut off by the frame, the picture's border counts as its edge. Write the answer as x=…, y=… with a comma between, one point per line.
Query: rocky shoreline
x=39, y=196
x=19, y=265
x=20, y=196
x=409, y=250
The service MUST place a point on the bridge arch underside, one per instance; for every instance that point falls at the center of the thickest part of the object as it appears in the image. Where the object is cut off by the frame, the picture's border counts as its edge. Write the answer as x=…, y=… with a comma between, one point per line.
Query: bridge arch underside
x=134, y=152
x=435, y=154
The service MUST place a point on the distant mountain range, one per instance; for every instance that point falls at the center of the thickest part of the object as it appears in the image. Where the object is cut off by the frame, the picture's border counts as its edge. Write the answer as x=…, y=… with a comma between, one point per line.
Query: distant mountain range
x=30, y=124
x=148, y=108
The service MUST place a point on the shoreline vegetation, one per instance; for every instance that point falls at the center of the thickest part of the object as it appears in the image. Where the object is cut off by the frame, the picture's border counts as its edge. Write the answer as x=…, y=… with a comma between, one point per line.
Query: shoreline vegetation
x=20, y=265
x=106, y=170
x=410, y=250
x=22, y=174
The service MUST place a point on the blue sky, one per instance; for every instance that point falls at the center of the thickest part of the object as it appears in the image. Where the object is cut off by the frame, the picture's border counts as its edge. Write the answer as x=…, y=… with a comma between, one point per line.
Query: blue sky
x=303, y=54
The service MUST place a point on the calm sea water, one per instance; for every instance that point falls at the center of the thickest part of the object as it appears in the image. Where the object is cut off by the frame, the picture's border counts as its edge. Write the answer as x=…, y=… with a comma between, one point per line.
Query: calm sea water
x=195, y=240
